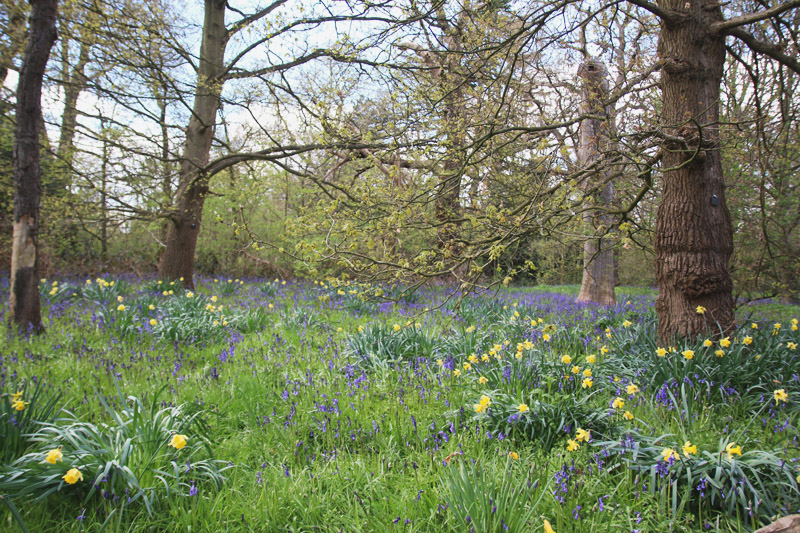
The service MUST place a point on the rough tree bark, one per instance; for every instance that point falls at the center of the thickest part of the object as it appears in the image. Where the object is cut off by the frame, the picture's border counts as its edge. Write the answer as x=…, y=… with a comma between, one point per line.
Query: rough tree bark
x=24, y=298
x=693, y=235
x=177, y=260
x=596, y=148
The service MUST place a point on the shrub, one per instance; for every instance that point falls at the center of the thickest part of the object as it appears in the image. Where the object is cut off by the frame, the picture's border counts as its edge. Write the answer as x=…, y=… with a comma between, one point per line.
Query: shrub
x=129, y=458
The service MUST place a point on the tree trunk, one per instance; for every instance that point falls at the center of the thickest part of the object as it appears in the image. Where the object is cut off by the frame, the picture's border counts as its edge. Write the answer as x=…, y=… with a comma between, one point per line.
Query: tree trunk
x=73, y=86
x=24, y=297
x=596, y=148
x=693, y=236
x=177, y=261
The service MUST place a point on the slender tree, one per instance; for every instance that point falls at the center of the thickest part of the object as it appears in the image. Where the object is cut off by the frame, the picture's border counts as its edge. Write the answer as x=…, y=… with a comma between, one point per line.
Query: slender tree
x=24, y=297
x=177, y=260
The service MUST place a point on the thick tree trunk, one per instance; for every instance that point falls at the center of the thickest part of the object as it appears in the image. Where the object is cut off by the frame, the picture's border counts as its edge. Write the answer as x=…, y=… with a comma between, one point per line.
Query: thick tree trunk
x=596, y=148
x=693, y=237
x=24, y=297
x=177, y=261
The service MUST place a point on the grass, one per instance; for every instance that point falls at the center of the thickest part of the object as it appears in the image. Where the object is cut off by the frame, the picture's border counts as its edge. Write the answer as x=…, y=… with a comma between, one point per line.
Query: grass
x=311, y=411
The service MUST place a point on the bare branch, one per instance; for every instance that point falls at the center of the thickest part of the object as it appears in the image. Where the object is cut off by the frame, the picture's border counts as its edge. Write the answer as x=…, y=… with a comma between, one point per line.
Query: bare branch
x=726, y=25
x=769, y=50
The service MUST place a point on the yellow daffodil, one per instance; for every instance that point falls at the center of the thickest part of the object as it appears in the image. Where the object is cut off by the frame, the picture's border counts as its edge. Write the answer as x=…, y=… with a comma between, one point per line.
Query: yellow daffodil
x=604, y=349
x=153, y=321
x=178, y=441
x=582, y=435
x=627, y=415
x=791, y=345
x=719, y=353
x=689, y=448
x=731, y=449
x=514, y=455
x=688, y=354
x=627, y=324
x=707, y=343
x=467, y=367
x=151, y=307
x=754, y=325
x=566, y=359
x=396, y=327
x=548, y=528
x=546, y=337
x=632, y=389
x=587, y=383
x=470, y=329
x=780, y=396
x=587, y=372
x=618, y=403
x=572, y=445
x=701, y=310
x=661, y=352
x=479, y=408
x=591, y=359
x=16, y=396
x=120, y=298
x=120, y=307
x=485, y=400
x=575, y=369
x=190, y=294
x=54, y=456
x=669, y=453
x=725, y=343
x=456, y=372
x=747, y=340
x=776, y=326
x=482, y=380
x=523, y=408
x=72, y=476
x=19, y=405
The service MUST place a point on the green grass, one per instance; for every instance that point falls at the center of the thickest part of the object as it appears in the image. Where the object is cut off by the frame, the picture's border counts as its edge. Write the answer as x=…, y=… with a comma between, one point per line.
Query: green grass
x=309, y=435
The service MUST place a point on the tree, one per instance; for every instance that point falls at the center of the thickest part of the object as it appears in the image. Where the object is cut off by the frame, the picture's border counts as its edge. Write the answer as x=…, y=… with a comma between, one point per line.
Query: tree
x=693, y=235
x=24, y=297
x=596, y=144
x=177, y=260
